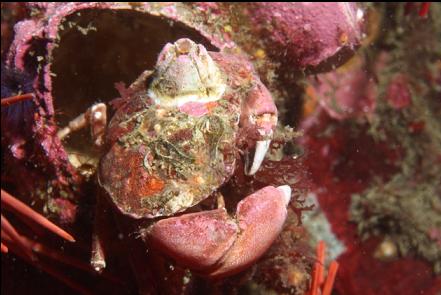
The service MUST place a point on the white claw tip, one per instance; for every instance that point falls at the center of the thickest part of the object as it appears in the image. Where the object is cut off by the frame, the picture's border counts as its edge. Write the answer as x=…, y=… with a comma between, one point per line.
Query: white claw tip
x=259, y=155
x=286, y=190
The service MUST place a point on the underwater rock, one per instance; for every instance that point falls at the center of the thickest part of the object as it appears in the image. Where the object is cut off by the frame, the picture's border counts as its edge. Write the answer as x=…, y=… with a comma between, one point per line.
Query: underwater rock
x=308, y=35
x=398, y=93
x=73, y=54
x=348, y=92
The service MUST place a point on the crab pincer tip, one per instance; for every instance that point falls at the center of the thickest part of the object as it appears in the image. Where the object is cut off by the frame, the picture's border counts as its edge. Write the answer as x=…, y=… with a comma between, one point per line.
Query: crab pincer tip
x=286, y=190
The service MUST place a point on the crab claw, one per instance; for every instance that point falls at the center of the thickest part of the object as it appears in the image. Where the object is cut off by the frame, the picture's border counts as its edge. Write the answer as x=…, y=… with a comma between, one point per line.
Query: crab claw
x=216, y=245
x=259, y=154
x=258, y=119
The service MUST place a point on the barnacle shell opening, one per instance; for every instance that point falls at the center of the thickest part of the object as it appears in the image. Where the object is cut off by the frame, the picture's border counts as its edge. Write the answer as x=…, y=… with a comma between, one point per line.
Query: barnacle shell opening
x=93, y=50
x=185, y=72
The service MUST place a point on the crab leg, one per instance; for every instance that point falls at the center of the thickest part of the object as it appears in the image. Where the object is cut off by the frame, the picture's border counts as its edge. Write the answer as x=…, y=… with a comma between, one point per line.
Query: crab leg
x=216, y=244
x=98, y=258
x=95, y=116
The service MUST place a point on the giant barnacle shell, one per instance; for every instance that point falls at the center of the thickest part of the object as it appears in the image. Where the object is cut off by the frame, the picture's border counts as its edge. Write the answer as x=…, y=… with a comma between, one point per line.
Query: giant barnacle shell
x=75, y=52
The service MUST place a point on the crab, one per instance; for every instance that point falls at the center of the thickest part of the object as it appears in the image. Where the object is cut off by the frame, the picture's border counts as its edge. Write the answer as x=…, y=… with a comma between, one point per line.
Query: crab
x=173, y=141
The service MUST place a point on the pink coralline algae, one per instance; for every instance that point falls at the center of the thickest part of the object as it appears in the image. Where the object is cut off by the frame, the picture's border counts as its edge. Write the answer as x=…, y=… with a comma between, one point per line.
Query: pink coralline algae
x=398, y=93
x=345, y=93
x=308, y=35
x=72, y=55
x=301, y=35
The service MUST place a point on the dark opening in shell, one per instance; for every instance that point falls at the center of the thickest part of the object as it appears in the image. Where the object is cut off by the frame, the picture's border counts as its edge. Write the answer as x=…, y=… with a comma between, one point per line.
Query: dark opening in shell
x=98, y=48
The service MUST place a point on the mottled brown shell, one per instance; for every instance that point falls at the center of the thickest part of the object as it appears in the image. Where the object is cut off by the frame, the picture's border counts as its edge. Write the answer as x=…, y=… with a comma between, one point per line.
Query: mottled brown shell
x=163, y=160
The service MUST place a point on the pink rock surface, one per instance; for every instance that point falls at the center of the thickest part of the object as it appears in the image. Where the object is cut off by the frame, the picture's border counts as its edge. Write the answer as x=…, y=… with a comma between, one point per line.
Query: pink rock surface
x=346, y=94
x=307, y=34
x=398, y=93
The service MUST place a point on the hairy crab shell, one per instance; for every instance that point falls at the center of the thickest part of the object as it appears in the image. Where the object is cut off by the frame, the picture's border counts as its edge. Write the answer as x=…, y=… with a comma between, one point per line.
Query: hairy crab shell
x=166, y=155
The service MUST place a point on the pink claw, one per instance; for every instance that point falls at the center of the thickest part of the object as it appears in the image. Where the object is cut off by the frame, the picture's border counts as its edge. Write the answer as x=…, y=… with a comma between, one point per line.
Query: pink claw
x=259, y=113
x=258, y=121
x=216, y=244
x=197, y=240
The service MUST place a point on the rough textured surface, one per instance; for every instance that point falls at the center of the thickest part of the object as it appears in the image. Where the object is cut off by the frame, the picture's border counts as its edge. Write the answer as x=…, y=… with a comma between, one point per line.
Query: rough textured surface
x=307, y=35
x=348, y=92
x=376, y=173
x=260, y=219
x=73, y=54
x=175, y=159
x=198, y=240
